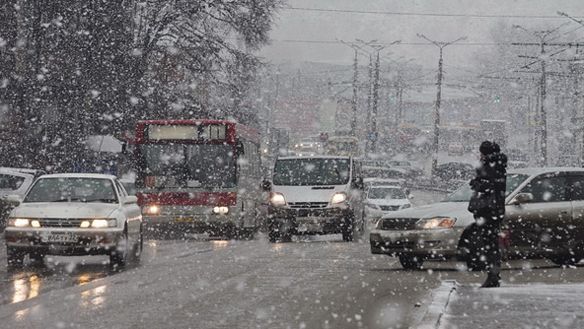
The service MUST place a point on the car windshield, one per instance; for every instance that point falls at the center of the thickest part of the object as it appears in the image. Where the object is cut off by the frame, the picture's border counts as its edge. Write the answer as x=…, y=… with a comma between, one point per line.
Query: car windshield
x=315, y=171
x=386, y=193
x=190, y=165
x=464, y=193
x=72, y=189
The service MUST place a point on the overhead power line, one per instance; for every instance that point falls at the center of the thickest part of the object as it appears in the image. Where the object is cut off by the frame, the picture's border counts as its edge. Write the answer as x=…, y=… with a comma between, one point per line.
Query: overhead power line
x=329, y=42
x=396, y=13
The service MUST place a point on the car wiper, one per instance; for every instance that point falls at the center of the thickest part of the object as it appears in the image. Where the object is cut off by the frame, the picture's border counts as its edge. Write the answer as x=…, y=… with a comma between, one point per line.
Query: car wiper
x=105, y=200
x=67, y=200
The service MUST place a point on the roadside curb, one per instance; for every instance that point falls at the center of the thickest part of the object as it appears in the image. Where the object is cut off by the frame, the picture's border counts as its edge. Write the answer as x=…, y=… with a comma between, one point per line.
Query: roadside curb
x=441, y=297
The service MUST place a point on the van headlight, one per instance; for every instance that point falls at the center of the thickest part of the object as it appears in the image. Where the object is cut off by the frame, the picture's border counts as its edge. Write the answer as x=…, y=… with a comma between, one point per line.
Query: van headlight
x=436, y=223
x=405, y=206
x=277, y=199
x=339, y=197
x=19, y=222
x=221, y=210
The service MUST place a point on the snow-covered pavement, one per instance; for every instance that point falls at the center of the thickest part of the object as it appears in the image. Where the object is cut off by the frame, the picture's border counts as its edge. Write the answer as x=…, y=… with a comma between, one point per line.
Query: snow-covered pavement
x=534, y=305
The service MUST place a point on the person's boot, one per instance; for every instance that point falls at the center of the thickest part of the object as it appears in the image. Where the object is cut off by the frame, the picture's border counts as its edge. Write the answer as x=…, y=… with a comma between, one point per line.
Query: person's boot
x=493, y=281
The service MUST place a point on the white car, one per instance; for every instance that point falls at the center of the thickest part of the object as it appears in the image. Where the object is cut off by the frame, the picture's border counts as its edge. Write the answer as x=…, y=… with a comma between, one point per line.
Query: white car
x=382, y=199
x=75, y=214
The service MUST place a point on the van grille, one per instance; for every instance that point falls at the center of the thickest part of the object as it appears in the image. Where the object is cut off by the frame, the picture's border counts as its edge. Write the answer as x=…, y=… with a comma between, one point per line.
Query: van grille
x=398, y=224
x=307, y=205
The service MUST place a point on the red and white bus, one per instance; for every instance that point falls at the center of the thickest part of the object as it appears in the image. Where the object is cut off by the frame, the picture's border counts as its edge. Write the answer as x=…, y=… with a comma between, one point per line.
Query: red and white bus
x=196, y=176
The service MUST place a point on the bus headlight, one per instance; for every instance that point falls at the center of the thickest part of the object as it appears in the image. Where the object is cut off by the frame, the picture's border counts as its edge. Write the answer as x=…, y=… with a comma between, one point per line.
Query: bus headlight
x=436, y=223
x=339, y=197
x=277, y=199
x=151, y=210
x=221, y=210
x=18, y=222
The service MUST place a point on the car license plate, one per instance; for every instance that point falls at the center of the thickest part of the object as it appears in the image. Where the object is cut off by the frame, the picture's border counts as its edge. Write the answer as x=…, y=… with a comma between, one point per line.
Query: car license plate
x=60, y=237
x=184, y=220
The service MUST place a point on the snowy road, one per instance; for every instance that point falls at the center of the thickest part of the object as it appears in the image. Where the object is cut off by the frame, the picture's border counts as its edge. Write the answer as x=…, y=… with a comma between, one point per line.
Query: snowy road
x=318, y=282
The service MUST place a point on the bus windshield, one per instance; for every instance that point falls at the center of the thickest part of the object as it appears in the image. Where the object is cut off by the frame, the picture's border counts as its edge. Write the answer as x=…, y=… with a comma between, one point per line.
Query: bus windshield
x=190, y=165
x=315, y=171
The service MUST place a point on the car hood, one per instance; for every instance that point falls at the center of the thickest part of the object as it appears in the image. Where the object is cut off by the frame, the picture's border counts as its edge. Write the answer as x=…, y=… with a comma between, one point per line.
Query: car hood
x=388, y=202
x=64, y=210
x=309, y=193
x=457, y=210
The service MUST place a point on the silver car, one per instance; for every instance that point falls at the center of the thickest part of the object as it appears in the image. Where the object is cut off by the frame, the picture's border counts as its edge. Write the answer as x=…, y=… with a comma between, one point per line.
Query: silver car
x=543, y=219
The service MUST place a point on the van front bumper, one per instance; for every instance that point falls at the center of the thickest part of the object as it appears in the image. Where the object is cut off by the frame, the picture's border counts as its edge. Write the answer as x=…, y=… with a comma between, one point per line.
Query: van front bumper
x=310, y=221
x=441, y=243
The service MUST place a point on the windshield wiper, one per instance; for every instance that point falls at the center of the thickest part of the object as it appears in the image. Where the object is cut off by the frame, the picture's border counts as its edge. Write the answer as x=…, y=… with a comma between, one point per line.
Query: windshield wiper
x=67, y=200
x=105, y=200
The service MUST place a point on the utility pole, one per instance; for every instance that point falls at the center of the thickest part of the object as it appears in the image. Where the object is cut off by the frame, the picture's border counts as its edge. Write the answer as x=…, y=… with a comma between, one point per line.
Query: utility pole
x=541, y=36
x=374, y=133
x=355, y=100
x=373, y=103
x=441, y=45
x=369, y=98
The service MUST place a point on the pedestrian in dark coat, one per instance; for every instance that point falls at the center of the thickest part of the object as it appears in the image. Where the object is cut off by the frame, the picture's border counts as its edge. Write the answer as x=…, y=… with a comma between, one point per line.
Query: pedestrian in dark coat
x=488, y=207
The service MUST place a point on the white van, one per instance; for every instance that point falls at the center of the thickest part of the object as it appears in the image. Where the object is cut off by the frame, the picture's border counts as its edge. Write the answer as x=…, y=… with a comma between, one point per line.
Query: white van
x=315, y=195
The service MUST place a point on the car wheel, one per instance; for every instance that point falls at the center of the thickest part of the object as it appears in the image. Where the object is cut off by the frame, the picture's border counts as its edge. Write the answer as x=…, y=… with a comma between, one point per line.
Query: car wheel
x=15, y=257
x=410, y=262
x=566, y=260
x=348, y=229
x=119, y=256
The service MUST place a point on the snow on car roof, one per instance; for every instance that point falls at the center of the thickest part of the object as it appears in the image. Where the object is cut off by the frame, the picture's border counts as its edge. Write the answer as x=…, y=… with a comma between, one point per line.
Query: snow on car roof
x=314, y=157
x=543, y=170
x=397, y=187
x=78, y=175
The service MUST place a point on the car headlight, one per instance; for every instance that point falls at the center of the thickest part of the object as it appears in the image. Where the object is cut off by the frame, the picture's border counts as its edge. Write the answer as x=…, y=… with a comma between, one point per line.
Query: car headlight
x=98, y=223
x=436, y=223
x=18, y=222
x=405, y=206
x=221, y=210
x=152, y=210
x=277, y=199
x=339, y=197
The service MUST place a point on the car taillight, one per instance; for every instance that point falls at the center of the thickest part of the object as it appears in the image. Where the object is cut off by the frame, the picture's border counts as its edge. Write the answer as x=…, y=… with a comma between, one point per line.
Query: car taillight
x=150, y=181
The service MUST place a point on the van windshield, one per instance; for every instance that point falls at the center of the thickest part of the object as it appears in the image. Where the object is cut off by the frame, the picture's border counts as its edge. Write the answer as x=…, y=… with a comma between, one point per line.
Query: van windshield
x=311, y=171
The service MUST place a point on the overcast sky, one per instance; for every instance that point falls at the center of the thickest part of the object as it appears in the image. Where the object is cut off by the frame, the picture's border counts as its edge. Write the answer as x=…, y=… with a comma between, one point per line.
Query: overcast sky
x=307, y=25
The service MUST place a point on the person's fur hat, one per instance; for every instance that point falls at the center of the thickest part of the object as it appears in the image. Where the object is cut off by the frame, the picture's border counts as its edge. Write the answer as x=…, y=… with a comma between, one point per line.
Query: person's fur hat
x=488, y=148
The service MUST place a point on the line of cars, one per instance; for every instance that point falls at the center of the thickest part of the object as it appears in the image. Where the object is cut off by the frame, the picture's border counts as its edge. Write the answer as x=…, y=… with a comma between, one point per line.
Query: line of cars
x=544, y=219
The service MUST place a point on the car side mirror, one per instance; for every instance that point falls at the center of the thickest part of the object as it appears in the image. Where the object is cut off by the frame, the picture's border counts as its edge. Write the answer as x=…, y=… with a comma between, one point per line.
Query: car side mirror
x=411, y=196
x=13, y=198
x=131, y=199
x=266, y=186
x=522, y=198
